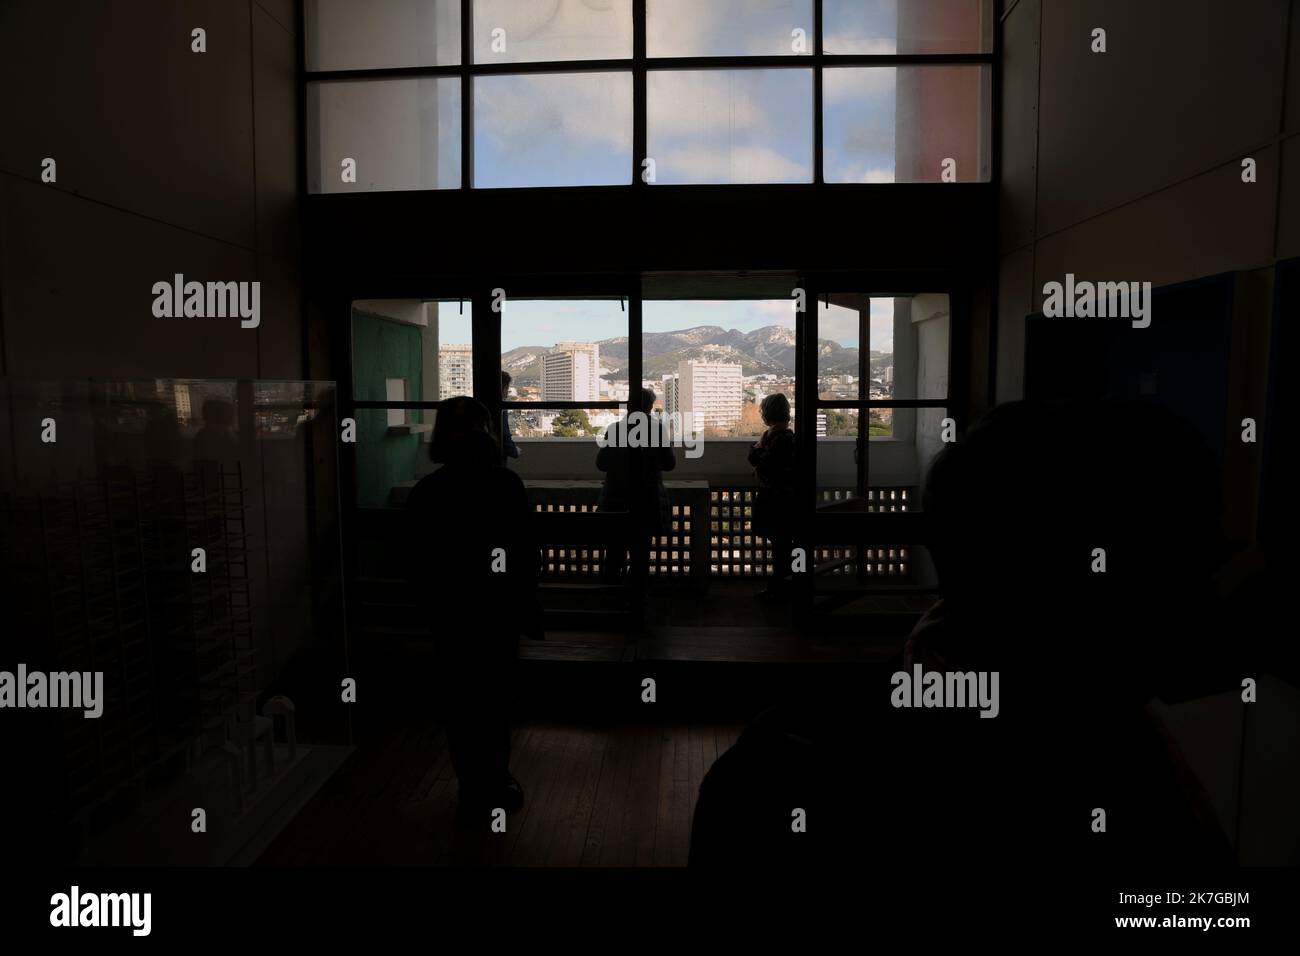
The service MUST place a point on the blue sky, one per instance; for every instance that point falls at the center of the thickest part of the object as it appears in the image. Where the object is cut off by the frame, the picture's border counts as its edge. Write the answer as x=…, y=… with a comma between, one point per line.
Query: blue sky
x=737, y=126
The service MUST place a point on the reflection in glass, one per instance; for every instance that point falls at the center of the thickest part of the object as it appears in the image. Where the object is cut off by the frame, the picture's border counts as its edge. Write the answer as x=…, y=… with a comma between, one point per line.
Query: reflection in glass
x=523, y=31
x=560, y=129
x=381, y=34
x=730, y=126
x=398, y=134
x=906, y=124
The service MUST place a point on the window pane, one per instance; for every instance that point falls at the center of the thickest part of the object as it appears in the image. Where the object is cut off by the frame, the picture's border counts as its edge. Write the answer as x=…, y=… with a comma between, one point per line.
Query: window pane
x=907, y=349
x=401, y=134
x=887, y=27
x=903, y=124
x=728, y=27
x=412, y=347
x=561, y=129
x=521, y=31
x=837, y=455
x=730, y=126
x=711, y=363
x=839, y=326
x=565, y=350
x=905, y=442
x=380, y=34
x=425, y=346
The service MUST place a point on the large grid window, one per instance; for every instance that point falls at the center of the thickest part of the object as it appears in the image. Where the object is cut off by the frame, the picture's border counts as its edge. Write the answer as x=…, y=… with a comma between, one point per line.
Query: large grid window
x=461, y=94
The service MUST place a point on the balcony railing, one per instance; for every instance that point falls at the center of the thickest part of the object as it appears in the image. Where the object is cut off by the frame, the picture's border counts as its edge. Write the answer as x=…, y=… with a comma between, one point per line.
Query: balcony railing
x=736, y=550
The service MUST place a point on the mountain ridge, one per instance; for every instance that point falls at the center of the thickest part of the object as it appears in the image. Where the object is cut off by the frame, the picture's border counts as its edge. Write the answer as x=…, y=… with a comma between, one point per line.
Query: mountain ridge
x=767, y=350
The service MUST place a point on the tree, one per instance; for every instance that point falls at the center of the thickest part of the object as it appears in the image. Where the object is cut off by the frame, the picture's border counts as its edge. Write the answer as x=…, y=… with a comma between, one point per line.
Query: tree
x=572, y=423
x=839, y=422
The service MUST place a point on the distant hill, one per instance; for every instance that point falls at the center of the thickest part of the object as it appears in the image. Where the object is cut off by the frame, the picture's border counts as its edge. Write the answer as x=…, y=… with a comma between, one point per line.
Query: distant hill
x=769, y=350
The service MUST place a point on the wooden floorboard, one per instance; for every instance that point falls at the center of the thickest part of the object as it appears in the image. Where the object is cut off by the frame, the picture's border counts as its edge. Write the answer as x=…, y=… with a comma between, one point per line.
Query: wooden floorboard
x=619, y=795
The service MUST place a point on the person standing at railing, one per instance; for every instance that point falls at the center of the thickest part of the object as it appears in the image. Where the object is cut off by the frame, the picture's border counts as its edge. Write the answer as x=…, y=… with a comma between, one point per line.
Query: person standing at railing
x=772, y=457
x=634, y=453
x=508, y=447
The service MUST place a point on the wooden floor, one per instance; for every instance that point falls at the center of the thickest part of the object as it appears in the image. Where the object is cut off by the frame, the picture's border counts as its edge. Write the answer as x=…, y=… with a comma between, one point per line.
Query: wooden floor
x=619, y=795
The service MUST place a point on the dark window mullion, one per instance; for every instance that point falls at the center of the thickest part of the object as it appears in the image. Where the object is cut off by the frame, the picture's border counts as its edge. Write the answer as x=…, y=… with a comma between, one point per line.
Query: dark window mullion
x=864, y=393
x=640, y=135
x=466, y=94
x=819, y=152
x=623, y=65
x=557, y=404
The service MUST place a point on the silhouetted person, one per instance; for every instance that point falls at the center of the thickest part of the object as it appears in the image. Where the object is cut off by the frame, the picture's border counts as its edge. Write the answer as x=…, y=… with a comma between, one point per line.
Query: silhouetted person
x=216, y=440
x=163, y=442
x=772, y=458
x=635, y=452
x=508, y=447
x=474, y=570
x=1023, y=510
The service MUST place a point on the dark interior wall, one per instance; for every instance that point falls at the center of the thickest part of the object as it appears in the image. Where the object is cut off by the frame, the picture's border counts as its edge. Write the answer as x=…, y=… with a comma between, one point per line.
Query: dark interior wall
x=168, y=161
x=1126, y=165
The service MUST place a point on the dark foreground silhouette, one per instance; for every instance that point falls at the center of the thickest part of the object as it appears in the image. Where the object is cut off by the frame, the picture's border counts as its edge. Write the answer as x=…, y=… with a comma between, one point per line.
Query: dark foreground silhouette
x=473, y=568
x=1016, y=509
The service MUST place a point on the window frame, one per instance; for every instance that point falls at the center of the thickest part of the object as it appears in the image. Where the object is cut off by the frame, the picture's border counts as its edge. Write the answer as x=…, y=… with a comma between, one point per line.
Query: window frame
x=486, y=343
x=640, y=65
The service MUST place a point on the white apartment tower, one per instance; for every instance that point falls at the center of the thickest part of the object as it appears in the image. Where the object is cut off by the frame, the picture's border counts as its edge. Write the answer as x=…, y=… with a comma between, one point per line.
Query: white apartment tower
x=455, y=371
x=709, y=394
x=571, y=373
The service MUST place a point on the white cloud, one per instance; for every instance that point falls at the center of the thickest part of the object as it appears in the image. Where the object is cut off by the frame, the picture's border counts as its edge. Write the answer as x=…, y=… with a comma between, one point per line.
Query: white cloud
x=740, y=164
x=875, y=176
x=859, y=43
x=585, y=108
x=857, y=84
x=691, y=102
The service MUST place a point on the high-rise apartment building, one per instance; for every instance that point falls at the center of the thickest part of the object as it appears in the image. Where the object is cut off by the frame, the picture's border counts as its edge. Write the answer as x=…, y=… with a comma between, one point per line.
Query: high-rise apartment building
x=709, y=394
x=455, y=371
x=571, y=373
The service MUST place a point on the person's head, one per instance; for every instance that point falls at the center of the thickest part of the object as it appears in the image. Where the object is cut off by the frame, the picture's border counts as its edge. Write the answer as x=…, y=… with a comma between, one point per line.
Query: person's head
x=505, y=383
x=775, y=409
x=462, y=434
x=647, y=401
x=1083, y=529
